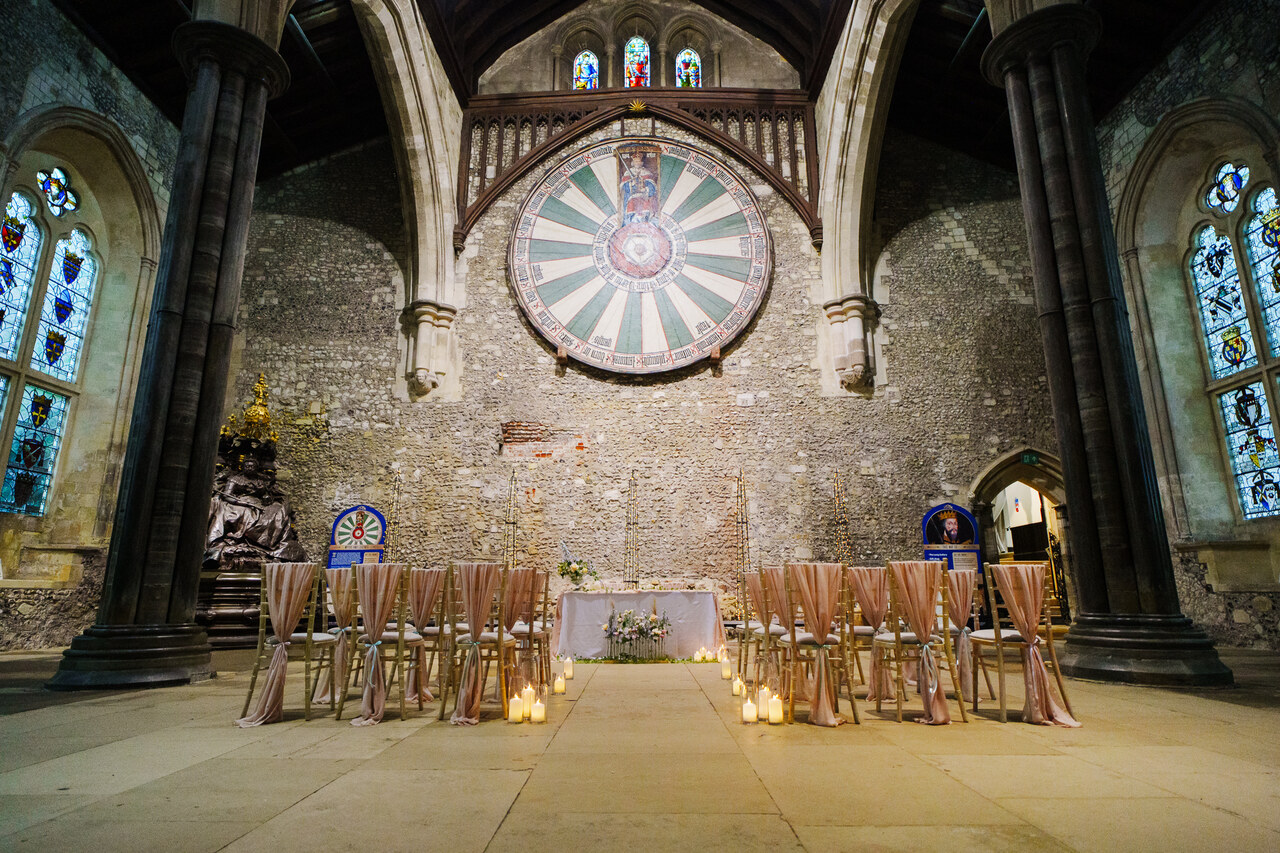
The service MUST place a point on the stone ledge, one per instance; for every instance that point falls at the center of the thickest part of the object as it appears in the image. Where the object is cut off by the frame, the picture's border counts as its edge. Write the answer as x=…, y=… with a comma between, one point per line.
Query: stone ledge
x=37, y=583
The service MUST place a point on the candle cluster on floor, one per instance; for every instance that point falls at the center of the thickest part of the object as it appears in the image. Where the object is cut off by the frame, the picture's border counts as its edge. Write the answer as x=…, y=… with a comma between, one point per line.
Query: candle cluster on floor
x=527, y=705
x=765, y=708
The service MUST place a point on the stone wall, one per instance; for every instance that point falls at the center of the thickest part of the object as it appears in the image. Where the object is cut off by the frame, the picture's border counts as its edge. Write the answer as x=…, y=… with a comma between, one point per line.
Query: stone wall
x=51, y=567
x=47, y=61
x=1231, y=53
x=963, y=383
x=745, y=61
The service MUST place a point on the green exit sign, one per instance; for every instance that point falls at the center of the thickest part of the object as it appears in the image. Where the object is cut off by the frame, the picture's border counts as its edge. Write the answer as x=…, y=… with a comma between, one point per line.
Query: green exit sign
x=1031, y=459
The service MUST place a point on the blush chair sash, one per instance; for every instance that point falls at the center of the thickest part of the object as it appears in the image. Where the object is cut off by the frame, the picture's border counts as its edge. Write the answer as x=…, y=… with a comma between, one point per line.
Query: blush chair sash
x=342, y=601
x=819, y=586
x=1022, y=585
x=918, y=584
x=960, y=586
x=478, y=583
x=755, y=592
x=424, y=593
x=288, y=586
x=378, y=584
x=518, y=601
x=871, y=590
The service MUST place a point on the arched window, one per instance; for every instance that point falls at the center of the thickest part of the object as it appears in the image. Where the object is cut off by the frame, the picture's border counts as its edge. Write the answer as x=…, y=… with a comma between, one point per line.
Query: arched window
x=635, y=57
x=46, y=293
x=1237, y=289
x=689, y=69
x=586, y=71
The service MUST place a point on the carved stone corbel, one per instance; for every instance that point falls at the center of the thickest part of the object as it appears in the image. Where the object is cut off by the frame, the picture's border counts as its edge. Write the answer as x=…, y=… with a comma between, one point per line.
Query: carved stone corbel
x=852, y=318
x=433, y=321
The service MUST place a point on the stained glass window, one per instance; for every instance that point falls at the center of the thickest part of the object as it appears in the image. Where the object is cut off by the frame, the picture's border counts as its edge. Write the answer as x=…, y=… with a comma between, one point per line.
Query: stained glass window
x=42, y=417
x=1226, y=322
x=635, y=56
x=1251, y=444
x=1262, y=242
x=586, y=71
x=689, y=69
x=20, y=240
x=58, y=194
x=1224, y=195
x=65, y=314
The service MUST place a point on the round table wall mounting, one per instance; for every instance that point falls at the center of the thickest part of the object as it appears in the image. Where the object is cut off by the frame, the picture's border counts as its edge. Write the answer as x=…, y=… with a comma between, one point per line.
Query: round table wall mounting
x=640, y=255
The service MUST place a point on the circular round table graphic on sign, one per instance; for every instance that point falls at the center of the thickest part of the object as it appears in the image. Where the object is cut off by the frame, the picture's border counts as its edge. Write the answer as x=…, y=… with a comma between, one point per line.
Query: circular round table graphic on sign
x=640, y=255
x=357, y=528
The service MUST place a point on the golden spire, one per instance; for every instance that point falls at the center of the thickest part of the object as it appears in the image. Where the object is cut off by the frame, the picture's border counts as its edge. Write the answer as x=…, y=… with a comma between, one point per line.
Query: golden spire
x=255, y=421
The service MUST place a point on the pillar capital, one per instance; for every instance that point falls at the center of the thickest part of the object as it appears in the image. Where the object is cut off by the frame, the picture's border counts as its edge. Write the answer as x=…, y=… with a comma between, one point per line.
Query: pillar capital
x=1036, y=34
x=233, y=49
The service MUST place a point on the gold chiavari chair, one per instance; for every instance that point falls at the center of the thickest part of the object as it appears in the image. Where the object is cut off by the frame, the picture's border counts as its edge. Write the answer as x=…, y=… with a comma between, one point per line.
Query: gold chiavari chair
x=532, y=629
x=381, y=599
x=898, y=646
x=486, y=636
x=822, y=640
x=1005, y=635
x=314, y=648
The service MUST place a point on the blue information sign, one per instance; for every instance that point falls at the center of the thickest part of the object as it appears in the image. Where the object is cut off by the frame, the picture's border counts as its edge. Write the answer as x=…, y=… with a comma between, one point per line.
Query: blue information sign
x=358, y=536
x=950, y=533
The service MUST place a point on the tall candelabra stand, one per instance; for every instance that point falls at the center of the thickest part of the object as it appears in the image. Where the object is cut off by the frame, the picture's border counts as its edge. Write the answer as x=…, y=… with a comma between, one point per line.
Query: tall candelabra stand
x=742, y=527
x=844, y=543
x=393, y=520
x=509, y=527
x=631, y=545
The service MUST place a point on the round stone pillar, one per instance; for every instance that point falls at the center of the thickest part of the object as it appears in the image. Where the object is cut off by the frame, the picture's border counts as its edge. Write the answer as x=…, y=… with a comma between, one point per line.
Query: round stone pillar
x=145, y=634
x=1128, y=625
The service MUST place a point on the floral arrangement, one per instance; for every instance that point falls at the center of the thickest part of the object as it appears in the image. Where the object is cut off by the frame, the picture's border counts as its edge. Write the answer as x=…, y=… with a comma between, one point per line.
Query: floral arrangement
x=575, y=571
x=627, y=626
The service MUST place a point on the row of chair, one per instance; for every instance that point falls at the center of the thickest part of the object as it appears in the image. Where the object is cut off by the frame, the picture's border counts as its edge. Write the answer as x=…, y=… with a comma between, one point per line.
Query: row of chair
x=418, y=616
x=809, y=624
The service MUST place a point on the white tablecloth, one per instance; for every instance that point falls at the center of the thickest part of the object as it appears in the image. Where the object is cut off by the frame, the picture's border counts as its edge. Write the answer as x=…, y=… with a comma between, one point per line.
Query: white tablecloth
x=694, y=614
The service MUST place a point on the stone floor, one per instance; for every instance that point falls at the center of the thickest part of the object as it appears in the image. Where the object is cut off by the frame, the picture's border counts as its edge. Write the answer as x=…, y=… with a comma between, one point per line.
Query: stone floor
x=641, y=756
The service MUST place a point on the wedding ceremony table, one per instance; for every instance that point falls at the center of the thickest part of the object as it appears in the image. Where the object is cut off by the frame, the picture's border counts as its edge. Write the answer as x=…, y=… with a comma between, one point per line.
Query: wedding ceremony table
x=694, y=614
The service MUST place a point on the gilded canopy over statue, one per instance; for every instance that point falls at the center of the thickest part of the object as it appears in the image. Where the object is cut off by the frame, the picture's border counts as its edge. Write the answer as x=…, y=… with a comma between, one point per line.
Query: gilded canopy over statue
x=249, y=516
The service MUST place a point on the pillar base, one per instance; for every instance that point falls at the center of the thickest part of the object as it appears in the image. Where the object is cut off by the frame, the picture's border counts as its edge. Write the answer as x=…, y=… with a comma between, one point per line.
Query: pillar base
x=125, y=656
x=1168, y=651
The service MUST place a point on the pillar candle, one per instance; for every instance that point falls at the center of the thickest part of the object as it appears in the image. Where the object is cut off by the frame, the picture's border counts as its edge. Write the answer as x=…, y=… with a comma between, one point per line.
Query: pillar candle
x=515, y=709
x=559, y=684
x=775, y=710
x=539, y=712
x=737, y=687
x=526, y=698
x=748, y=711
x=568, y=669
x=762, y=702
x=726, y=669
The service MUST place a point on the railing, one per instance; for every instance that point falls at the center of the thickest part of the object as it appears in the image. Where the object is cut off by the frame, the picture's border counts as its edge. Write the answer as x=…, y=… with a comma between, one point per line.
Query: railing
x=505, y=135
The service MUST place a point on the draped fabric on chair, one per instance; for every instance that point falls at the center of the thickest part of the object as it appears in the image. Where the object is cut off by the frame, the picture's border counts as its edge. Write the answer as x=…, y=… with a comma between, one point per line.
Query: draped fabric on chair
x=478, y=582
x=775, y=577
x=755, y=591
x=378, y=584
x=918, y=583
x=1022, y=585
x=343, y=602
x=424, y=593
x=960, y=586
x=871, y=590
x=517, y=605
x=819, y=585
x=288, y=587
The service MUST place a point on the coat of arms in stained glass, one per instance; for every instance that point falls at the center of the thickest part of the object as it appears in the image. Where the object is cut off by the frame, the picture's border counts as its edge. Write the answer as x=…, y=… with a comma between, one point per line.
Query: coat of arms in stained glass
x=635, y=57
x=1262, y=244
x=58, y=194
x=19, y=252
x=65, y=313
x=1228, y=336
x=1224, y=195
x=1251, y=445
x=586, y=71
x=36, y=440
x=689, y=69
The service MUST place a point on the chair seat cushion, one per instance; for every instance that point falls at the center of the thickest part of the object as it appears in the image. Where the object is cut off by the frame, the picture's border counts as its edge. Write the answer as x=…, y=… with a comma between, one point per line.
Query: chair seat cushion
x=394, y=636
x=488, y=637
x=863, y=631
x=805, y=638
x=774, y=630
x=908, y=638
x=539, y=628
x=317, y=639
x=989, y=635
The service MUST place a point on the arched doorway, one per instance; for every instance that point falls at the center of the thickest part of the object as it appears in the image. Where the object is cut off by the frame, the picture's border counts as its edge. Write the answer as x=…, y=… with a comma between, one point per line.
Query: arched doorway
x=1020, y=504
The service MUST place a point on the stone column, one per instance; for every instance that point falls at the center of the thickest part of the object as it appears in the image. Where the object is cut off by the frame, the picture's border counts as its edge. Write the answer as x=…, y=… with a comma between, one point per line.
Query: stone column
x=715, y=64
x=557, y=54
x=851, y=318
x=610, y=51
x=145, y=633
x=660, y=79
x=1128, y=625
